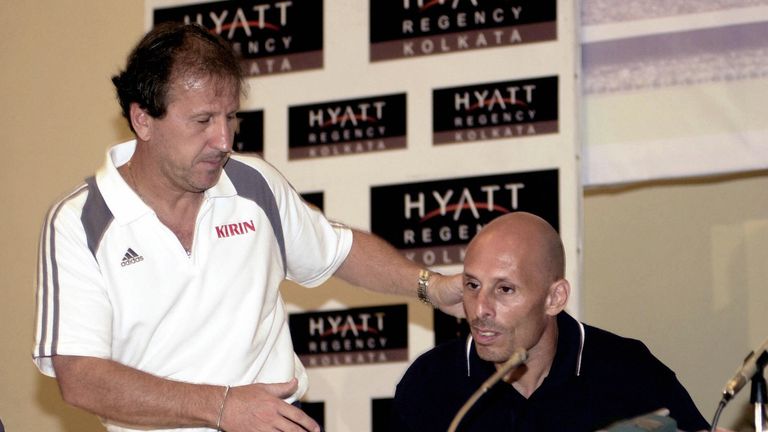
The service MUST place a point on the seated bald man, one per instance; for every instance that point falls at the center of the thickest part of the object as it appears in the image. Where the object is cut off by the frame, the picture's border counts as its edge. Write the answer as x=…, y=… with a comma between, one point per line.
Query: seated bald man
x=577, y=377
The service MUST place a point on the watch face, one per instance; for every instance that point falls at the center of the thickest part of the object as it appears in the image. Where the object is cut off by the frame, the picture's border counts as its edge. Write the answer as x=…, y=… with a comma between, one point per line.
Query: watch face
x=421, y=291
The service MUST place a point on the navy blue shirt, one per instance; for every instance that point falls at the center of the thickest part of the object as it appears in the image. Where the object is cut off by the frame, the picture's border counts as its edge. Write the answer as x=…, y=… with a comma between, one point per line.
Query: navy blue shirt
x=596, y=378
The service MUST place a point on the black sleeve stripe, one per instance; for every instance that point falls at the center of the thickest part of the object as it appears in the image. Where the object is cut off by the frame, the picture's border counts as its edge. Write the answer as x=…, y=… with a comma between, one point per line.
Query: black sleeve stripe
x=252, y=185
x=96, y=216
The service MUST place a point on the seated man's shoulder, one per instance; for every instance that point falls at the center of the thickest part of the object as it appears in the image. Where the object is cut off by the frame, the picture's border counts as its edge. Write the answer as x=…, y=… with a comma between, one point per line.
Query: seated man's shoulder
x=609, y=351
x=629, y=379
x=606, y=342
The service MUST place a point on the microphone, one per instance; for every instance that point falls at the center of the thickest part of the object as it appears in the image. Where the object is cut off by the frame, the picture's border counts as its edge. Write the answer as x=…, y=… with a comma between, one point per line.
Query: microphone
x=754, y=363
x=516, y=359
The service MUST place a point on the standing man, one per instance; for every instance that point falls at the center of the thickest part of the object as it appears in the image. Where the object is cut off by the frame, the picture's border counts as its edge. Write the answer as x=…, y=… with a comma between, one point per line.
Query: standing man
x=158, y=302
x=577, y=378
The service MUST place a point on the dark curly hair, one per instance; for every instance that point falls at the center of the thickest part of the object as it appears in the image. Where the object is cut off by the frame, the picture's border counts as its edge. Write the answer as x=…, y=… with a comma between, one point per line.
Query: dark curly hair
x=168, y=51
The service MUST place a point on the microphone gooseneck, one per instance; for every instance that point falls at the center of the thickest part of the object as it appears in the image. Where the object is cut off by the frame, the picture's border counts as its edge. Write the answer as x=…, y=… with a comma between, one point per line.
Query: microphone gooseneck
x=754, y=363
x=751, y=369
x=518, y=357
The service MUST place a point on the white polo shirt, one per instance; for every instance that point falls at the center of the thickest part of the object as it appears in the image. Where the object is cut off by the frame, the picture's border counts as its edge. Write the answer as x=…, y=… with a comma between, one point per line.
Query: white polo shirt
x=115, y=283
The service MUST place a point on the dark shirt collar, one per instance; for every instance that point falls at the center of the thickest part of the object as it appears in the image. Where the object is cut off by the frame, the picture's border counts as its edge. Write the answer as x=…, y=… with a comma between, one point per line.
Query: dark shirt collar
x=566, y=364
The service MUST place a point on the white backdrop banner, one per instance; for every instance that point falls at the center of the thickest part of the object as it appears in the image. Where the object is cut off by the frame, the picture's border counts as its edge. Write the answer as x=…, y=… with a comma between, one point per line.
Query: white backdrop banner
x=419, y=120
x=675, y=90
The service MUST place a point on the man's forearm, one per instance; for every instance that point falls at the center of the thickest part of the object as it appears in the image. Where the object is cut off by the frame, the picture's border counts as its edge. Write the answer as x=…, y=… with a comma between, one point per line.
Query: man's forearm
x=374, y=264
x=126, y=395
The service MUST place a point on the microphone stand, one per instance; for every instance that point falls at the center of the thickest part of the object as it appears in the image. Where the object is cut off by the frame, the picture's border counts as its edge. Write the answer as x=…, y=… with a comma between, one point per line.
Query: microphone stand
x=759, y=396
x=753, y=368
x=518, y=357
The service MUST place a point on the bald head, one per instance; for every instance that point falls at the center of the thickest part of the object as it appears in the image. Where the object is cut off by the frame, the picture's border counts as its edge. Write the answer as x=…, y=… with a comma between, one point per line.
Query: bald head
x=514, y=287
x=527, y=236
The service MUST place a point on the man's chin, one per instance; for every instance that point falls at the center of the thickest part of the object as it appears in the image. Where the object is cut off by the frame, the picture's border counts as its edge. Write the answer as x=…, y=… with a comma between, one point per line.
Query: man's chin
x=208, y=180
x=491, y=354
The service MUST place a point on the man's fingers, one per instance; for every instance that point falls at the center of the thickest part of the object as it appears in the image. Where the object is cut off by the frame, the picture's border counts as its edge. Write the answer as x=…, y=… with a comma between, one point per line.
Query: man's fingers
x=299, y=420
x=448, y=294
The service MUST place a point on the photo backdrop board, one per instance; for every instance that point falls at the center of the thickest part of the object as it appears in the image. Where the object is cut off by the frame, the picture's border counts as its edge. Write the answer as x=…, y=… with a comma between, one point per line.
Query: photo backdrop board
x=419, y=120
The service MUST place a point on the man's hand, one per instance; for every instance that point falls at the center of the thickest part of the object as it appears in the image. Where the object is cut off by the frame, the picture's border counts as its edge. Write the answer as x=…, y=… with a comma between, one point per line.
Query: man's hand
x=120, y=393
x=446, y=292
x=260, y=408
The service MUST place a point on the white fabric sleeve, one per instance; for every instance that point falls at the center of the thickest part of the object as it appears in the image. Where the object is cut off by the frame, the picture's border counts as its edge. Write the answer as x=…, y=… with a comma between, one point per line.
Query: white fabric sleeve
x=73, y=312
x=315, y=247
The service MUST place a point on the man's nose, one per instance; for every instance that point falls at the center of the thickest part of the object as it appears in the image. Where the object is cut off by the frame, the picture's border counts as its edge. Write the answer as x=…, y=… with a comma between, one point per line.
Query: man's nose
x=485, y=306
x=224, y=135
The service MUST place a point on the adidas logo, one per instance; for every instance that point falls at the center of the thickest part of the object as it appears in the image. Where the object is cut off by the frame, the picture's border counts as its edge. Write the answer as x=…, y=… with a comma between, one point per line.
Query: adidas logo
x=131, y=257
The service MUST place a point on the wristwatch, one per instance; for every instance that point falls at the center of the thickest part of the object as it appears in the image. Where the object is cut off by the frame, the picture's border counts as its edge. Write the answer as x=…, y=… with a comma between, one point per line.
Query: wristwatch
x=421, y=291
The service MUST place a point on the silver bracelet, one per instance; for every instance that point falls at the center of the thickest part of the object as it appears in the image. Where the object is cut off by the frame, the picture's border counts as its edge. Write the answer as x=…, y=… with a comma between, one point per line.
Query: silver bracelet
x=421, y=291
x=221, y=408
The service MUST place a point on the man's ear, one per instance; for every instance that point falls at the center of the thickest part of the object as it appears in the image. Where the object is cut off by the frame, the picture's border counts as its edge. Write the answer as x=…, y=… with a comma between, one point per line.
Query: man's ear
x=557, y=299
x=141, y=122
